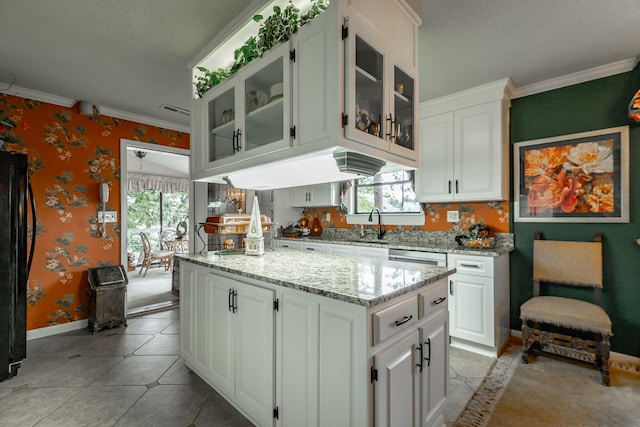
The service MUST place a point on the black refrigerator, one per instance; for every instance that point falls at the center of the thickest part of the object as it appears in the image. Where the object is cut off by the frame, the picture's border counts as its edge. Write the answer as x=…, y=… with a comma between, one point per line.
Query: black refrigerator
x=15, y=262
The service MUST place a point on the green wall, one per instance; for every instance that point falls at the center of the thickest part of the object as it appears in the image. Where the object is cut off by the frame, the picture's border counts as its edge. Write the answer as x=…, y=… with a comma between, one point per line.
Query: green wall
x=593, y=105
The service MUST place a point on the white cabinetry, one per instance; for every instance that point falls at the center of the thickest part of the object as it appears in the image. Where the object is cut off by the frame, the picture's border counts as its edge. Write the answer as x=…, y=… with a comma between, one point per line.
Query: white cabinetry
x=370, y=252
x=412, y=371
x=287, y=244
x=465, y=146
x=229, y=341
x=479, y=302
x=398, y=387
x=334, y=76
x=317, y=195
x=328, y=370
x=237, y=120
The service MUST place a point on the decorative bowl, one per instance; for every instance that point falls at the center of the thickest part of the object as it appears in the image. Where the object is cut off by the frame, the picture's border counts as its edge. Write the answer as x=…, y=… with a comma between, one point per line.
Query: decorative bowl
x=482, y=243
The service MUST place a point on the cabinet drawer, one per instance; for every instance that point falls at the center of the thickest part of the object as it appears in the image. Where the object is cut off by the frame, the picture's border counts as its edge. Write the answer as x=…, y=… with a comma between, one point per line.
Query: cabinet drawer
x=470, y=264
x=394, y=319
x=433, y=299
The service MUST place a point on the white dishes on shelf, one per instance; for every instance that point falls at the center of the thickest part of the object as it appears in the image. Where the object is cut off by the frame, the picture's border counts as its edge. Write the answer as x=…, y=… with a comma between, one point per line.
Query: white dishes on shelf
x=276, y=91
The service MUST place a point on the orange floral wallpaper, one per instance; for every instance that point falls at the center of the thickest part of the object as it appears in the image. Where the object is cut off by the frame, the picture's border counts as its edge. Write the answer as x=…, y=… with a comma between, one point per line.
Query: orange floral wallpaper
x=69, y=155
x=493, y=214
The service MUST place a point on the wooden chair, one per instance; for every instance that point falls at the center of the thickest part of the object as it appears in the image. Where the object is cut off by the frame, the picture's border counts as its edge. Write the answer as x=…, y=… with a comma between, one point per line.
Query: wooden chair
x=559, y=325
x=152, y=259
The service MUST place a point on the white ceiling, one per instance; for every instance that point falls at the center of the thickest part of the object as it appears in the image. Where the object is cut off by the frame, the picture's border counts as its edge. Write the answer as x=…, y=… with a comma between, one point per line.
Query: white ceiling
x=157, y=163
x=131, y=56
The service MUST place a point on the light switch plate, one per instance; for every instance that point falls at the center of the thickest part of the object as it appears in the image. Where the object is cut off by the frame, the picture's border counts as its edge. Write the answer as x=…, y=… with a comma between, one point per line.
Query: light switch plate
x=109, y=216
x=328, y=217
x=453, y=216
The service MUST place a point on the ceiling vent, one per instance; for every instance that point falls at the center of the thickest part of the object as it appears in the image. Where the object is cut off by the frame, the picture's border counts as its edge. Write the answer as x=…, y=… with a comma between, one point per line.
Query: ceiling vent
x=177, y=110
x=357, y=163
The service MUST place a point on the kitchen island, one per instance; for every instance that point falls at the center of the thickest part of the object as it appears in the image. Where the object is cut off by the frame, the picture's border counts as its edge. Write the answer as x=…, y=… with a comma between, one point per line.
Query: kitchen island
x=296, y=338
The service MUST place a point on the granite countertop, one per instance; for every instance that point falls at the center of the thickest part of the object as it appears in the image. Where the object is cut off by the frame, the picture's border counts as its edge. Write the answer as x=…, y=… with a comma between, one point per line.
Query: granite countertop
x=423, y=245
x=362, y=281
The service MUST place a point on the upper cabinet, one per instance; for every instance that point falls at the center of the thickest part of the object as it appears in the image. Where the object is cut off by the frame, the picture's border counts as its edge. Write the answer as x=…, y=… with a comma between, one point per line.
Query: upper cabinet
x=464, y=151
x=380, y=94
x=245, y=116
x=349, y=81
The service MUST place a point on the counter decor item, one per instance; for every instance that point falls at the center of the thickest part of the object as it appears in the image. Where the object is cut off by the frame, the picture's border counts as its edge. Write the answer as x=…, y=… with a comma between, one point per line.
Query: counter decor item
x=290, y=231
x=478, y=236
x=316, y=228
x=254, y=242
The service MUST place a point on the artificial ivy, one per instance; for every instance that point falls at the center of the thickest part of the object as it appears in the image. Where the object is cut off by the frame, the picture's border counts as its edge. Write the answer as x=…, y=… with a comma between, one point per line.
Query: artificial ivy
x=275, y=29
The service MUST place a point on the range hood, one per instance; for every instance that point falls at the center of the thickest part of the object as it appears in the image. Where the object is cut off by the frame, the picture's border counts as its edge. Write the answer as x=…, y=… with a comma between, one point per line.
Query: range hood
x=314, y=168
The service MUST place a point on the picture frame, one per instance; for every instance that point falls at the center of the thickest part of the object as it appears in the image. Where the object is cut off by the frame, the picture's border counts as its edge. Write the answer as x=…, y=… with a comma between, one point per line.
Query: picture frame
x=580, y=177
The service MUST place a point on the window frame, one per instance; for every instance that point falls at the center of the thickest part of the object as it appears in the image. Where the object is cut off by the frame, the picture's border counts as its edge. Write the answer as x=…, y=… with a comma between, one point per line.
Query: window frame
x=399, y=218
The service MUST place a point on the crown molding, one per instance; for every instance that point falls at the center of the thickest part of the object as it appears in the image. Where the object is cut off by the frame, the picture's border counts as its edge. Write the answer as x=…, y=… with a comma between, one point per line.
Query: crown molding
x=494, y=91
x=112, y=112
x=607, y=70
x=37, y=95
x=145, y=120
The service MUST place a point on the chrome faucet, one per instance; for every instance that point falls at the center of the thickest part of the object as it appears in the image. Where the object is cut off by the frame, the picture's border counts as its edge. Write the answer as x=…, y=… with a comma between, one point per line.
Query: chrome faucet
x=380, y=230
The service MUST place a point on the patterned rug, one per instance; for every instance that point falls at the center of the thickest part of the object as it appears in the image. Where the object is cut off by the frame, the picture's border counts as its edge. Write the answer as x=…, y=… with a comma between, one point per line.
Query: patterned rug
x=481, y=405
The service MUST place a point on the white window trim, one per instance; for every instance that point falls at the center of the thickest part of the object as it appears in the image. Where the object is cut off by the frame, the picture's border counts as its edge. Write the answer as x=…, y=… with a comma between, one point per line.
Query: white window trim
x=385, y=218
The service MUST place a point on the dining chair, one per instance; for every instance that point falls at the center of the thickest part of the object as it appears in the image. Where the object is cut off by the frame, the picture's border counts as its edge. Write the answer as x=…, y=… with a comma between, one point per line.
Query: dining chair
x=161, y=258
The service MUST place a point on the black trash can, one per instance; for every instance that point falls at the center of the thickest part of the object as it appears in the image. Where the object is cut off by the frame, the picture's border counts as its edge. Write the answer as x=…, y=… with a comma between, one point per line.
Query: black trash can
x=107, y=297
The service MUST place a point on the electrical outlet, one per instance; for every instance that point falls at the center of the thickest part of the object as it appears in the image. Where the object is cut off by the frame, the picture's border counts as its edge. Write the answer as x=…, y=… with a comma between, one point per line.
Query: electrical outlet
x=109, y=216
x=328, y=217
x=453, y=216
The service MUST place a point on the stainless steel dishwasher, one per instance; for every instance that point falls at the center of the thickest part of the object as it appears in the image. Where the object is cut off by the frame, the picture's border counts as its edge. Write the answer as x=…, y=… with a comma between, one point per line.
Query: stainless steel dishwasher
x=418, y=257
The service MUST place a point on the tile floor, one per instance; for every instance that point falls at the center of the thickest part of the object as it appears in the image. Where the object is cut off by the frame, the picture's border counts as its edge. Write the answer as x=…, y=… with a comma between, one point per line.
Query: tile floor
x=134, y=376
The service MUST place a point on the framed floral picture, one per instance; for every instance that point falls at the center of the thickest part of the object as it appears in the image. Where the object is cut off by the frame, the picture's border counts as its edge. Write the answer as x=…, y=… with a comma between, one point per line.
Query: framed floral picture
x=581, y=177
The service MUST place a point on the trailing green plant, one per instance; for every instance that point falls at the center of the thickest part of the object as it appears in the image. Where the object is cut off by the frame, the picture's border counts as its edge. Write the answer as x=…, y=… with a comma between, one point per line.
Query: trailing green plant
x=275, y=29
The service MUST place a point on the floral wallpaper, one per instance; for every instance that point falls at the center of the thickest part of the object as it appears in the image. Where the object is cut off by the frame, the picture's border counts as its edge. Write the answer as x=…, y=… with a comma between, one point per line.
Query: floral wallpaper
x=69, y=155
x=494, y=214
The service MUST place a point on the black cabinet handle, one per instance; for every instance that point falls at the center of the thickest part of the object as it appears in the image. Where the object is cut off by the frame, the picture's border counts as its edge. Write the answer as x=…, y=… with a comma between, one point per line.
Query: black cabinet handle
x=439, y=301
x=233, y=142
x=457, y=187
x=449, y=186
x=238, y=139
x=405, y=320
x=420, y=359
x=428, y=358
x=230, y=299
x=450, y=287
x=235, y=301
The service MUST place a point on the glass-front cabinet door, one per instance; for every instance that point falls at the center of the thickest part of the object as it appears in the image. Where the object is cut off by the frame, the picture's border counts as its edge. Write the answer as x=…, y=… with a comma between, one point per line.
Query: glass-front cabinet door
x=404, y=114
x=367, y=108
x=267, y=105
x=249, y=114
x=222, y=125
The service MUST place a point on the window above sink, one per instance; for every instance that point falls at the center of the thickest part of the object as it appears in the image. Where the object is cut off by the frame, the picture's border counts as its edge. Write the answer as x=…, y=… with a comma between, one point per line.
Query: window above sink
x=393, y=193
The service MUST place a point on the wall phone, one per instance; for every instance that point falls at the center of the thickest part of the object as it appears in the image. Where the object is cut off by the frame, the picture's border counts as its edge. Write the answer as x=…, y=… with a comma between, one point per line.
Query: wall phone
x=104, y=198
x=104, y=193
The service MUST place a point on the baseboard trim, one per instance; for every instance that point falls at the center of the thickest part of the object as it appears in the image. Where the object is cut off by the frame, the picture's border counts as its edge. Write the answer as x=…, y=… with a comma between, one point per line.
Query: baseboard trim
x=56, y=329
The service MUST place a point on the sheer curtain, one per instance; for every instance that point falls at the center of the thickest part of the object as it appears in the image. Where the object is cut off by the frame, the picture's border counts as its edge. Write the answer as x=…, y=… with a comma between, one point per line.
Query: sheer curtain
x=164, y=184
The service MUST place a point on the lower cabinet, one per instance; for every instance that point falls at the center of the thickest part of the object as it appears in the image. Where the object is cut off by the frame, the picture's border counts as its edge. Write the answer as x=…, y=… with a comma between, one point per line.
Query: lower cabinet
x=411, y=374
x=435, y=369
x=285, y=357
x=479, y=302
x=231, y=342
x=397, y=395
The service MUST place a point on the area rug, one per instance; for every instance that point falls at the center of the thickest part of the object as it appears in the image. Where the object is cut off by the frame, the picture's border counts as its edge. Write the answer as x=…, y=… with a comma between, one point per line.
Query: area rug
x=481, y=405
x=551, y=392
